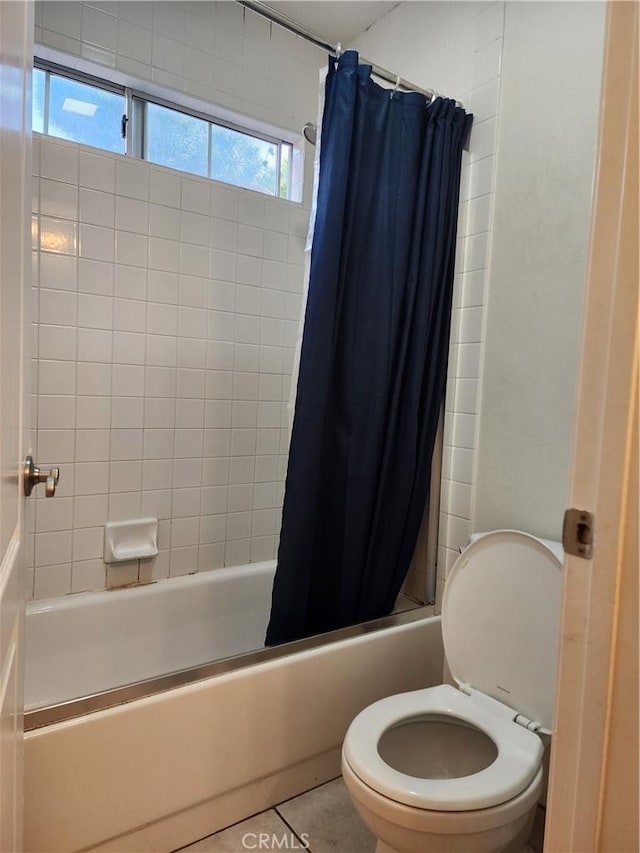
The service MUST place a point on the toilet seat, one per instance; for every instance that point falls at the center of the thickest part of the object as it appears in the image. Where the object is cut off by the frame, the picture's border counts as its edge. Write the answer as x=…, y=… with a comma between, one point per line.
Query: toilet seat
x=517, y=762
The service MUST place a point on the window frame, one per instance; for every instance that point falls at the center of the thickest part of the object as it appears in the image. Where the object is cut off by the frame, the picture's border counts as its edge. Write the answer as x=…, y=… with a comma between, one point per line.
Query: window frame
x=135, y=101
x=77, y=77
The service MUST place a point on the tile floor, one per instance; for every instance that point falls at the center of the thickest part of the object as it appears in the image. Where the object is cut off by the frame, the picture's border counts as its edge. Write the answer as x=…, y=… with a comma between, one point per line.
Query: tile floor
x=322, y=820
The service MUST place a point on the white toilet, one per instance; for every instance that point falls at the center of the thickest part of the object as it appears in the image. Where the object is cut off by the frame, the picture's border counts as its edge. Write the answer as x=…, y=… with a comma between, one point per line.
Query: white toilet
x=453, y=770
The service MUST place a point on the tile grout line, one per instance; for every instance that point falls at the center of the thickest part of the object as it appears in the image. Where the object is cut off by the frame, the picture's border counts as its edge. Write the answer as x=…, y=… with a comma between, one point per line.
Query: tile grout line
x=305, y=846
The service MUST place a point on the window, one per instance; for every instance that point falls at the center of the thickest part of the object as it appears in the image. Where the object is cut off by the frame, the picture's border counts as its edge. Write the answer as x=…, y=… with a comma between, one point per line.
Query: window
x=165, y=134
x=174, y=139
x=78, y=111
x=94, y=112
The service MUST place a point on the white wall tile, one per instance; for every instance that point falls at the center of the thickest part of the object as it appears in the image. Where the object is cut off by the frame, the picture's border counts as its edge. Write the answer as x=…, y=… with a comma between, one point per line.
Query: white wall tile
x=131, y=249
x=163, y=286
x=59, y=162
x=58, y=307
x=128, y=380
x=130, y=282
x=481, y=177
x=96, y=207
x=92, y=445
x=57, y=342
x=164, y=221
x=162, y=319
x=96, y=242
x=54, y=515
x=164, y=254
x=98, y=28
x=93, y=413
x=127, y=412
x=55, y=377
x=125, y=477
x=132, y=215
x=58, y=235
x=484, y=100
x=88, y=575
x=58, y=199
x=194, y=228
x=95, y=312
x=478, y=215
x=132, y=179
x=58, y=272
x=128, y=348
x=52, y=581
x=129, y=315
x=97, y=172
x=87, y=543
x=489, y=24
x=55, y=447
x=95, y=277
x=165, y=188
x=53, y=548
x=134, y=41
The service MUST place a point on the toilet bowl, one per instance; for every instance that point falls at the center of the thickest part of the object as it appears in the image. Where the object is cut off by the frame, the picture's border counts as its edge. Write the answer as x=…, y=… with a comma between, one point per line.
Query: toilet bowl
x=459, y=769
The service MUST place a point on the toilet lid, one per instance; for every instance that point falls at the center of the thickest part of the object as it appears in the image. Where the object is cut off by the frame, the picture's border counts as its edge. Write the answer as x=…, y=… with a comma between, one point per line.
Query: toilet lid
x=501, y=619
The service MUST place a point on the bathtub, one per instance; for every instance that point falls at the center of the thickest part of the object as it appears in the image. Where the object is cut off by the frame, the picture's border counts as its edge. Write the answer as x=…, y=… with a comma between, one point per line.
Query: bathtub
x=138, y=739
x=79, y=645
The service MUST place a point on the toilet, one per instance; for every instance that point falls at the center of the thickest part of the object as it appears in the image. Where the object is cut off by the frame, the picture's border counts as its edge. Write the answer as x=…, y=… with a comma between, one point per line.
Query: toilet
x=459, y=769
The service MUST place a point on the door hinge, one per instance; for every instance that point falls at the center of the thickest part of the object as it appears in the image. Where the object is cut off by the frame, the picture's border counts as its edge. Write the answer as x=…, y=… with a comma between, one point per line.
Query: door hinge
x=578, y=533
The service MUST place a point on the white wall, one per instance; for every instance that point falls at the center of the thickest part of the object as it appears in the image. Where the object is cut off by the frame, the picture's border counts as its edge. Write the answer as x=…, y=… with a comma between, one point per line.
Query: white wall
x=551, y=78
x=456, y=49
x=166, y=309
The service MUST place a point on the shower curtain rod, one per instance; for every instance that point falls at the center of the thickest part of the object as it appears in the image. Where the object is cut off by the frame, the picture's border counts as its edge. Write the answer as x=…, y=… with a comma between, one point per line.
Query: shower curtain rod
x=291, y=25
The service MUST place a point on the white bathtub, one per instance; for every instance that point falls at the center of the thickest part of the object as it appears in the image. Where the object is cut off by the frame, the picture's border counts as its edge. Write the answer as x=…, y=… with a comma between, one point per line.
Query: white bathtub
x=159, y=772
x=82, y=644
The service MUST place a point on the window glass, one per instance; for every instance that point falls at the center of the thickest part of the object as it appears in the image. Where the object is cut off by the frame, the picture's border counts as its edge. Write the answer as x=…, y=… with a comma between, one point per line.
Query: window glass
x=240, y=159
x=38, y=100
x=176, y=139
x=84, y=113
x=78, y=110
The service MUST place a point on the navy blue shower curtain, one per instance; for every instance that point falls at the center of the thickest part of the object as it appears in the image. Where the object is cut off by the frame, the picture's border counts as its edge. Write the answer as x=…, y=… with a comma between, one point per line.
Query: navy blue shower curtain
x=374, y=352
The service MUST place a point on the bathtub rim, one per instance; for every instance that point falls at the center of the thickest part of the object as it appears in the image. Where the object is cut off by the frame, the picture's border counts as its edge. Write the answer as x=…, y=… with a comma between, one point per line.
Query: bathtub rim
x=78, y=600
x=36, y=718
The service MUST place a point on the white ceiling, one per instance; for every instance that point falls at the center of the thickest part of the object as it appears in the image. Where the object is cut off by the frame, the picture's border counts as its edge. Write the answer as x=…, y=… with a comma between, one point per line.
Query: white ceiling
x=334, y=20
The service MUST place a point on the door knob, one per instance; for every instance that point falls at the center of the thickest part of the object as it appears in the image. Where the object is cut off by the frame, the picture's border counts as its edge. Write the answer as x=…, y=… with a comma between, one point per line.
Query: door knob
x=33, y=475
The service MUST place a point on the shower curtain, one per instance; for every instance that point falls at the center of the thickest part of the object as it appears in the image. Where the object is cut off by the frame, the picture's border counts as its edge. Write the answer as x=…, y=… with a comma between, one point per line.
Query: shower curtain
x=374, y=352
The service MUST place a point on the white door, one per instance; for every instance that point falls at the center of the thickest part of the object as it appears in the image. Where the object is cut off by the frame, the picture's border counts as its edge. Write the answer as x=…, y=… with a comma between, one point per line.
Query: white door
x=593, y=784
x=16, y=54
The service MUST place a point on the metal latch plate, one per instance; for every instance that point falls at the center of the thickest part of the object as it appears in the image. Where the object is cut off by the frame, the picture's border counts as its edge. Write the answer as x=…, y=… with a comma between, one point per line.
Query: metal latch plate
x=577, y=533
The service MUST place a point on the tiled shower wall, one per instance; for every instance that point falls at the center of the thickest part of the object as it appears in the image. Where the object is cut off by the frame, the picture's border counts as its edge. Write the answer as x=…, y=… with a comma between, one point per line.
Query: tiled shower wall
x=166, y=310
x=456, y=49
x=166, y=306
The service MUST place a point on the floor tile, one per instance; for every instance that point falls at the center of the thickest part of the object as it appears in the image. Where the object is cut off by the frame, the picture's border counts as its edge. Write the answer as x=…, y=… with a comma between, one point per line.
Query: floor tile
x=329, y=820
x=245, y=836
